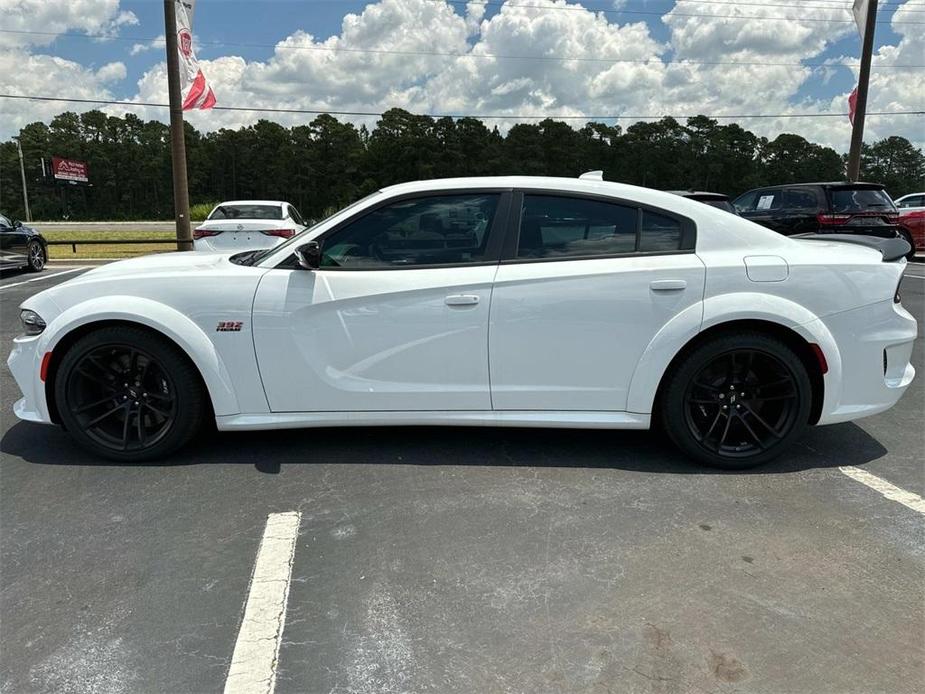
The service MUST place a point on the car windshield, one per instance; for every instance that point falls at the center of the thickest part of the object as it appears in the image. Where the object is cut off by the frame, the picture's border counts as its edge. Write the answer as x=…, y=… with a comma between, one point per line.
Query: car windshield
x=860, y=200
x=247, y=212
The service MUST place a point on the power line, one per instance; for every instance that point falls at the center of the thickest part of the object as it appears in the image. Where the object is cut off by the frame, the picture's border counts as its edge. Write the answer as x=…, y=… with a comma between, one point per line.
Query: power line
x=457, y=116
x=452, y=54
x=576, y=8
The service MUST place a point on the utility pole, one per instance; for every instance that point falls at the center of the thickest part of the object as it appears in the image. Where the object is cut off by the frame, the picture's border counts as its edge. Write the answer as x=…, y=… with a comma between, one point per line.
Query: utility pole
x=22, y=172
x=860, y=111
x=177, y=144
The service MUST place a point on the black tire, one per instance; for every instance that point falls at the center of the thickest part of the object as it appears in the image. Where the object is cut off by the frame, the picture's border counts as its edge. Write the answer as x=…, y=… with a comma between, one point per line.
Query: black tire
x=127, y=394
x=36, y=257
x=706, y=415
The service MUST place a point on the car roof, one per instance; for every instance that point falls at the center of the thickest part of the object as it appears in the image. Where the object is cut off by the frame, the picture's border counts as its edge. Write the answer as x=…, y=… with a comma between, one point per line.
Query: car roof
x=279, y=203
x=692, y=193
x=824, y=184
x=909, y=195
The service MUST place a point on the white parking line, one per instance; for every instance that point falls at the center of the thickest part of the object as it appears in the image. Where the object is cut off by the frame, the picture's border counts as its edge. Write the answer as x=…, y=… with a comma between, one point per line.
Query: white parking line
x=889, y=490
x=41, y=277
x=254, y=662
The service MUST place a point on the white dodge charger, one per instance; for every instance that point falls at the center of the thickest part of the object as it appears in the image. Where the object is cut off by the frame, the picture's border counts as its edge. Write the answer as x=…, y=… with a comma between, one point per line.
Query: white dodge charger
x=528, y=302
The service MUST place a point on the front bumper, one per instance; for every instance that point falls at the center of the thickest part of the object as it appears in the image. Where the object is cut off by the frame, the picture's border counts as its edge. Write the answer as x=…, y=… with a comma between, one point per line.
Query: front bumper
x=25, y=363
x=875, y=347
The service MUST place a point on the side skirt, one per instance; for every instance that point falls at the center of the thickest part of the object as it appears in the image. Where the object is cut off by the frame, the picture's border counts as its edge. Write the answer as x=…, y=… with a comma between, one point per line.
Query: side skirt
x=538, y=419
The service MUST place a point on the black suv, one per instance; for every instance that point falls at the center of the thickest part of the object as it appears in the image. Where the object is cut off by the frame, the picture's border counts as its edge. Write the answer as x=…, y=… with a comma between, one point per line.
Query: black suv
x=823, y=208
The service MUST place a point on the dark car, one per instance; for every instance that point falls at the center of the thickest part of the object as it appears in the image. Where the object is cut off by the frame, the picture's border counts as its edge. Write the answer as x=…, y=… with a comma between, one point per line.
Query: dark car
x=824, y=208
x=712, y=199
x=21, y=246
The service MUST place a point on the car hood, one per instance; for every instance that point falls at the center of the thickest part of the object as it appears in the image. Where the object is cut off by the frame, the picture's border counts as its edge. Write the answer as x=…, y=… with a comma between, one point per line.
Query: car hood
x=159, y=264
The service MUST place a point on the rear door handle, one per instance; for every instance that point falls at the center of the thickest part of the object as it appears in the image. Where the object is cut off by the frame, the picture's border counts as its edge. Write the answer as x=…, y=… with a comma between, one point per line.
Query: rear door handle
x=667, y=285
x=462, y=300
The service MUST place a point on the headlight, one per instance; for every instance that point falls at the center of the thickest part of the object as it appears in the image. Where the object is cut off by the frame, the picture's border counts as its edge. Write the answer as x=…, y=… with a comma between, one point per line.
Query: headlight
x=32, y=322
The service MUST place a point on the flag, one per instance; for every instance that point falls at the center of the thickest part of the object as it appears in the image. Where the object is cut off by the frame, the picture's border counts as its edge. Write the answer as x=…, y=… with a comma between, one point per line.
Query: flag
x=852, y=104
x=860, y=15
x=195, y=89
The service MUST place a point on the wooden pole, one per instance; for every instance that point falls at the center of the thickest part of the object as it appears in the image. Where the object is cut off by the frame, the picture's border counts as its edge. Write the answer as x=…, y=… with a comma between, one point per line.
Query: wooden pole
x=177, y=144
x=857, y=129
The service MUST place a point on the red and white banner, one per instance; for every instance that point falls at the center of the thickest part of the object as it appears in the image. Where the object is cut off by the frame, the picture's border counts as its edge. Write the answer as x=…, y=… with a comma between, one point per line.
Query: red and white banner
x=195, y=88
x=69, y=170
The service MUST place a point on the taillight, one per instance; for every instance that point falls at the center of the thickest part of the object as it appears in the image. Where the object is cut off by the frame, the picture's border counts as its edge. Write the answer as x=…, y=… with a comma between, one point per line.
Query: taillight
x=893, y=218
x=823, y=218
x=281, y=233
x=203, y=233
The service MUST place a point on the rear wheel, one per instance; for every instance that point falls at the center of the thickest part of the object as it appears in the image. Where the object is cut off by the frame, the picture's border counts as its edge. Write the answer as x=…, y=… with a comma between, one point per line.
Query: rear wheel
x=737, y=400
x=128, y=394
x=910, y=256
x=36, y=257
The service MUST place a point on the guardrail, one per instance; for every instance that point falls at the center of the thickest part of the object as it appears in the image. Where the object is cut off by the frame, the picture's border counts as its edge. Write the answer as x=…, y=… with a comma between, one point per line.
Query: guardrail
x=108, y=242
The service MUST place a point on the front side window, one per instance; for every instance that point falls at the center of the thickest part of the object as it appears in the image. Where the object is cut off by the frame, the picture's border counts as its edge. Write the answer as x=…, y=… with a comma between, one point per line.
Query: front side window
x=436, y=230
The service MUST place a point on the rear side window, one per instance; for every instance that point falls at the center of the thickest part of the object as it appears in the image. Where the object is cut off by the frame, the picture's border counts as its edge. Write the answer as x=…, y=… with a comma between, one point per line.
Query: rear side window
x=912, y=201
x=800, y=198
x=860, y=200
x=563, y=227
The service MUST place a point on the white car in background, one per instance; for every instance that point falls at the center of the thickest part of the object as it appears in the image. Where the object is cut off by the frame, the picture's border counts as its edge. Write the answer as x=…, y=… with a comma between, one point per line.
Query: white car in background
x=244, y=225
x=910, y=202
x=508, y=301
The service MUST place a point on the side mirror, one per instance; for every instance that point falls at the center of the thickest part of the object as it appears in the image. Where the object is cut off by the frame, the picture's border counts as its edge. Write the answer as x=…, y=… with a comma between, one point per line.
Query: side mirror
x=309, y=255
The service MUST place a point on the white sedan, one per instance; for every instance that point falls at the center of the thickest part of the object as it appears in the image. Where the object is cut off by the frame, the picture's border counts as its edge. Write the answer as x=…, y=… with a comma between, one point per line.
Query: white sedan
x=516, y=301
x=239, y=225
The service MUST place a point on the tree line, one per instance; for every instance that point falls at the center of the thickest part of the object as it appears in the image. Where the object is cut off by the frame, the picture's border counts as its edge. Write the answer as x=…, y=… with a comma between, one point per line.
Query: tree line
x=326, y=163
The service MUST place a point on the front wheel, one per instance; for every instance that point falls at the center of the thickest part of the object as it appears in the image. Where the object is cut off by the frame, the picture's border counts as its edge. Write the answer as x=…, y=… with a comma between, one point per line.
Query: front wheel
x=128, y=394
x=36, y=257
x=737, y=400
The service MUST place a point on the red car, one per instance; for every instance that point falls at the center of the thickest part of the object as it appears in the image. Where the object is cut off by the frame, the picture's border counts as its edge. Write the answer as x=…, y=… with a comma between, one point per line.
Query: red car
x=914, y=222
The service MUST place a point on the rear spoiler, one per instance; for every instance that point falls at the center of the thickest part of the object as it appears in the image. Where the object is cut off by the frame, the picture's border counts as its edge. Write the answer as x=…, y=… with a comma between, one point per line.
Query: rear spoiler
x=891, y=249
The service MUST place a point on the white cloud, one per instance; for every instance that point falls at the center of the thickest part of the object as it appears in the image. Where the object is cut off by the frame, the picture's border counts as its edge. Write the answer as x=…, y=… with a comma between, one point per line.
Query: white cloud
x=410, y=68
x=159, y=43
x=51, y=18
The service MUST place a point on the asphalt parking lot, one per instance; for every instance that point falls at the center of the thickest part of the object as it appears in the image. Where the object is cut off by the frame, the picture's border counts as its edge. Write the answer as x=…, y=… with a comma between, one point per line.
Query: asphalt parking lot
x=466, y=560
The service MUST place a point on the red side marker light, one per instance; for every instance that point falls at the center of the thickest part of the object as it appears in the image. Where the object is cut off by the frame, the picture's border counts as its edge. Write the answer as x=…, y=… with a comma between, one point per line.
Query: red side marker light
x=46, y=360
x=820, y=357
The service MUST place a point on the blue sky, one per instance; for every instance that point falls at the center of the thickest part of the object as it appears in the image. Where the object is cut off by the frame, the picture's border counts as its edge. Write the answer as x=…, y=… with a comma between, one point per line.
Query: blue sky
x=661, y=31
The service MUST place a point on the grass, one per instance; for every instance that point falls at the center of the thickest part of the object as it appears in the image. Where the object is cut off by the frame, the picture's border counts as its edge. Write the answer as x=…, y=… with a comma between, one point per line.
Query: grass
x=104, y=250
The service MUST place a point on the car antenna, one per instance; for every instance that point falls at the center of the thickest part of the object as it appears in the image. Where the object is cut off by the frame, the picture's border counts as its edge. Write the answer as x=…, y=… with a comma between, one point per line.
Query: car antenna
x=592, y=176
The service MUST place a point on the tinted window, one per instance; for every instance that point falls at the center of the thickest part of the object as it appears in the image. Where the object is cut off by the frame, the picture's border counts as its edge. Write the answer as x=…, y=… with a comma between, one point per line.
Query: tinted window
x=247, y=212
x=859, y=199
x=659, y=233
x=800, y=198
x=912, y=201
x=424, y=231
x=720, y=204
x=296, y=217
x=746, y=201
x=553, y=227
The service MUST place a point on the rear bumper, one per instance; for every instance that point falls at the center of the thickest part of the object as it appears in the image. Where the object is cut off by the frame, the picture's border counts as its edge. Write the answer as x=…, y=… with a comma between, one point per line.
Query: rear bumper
x=875, y=347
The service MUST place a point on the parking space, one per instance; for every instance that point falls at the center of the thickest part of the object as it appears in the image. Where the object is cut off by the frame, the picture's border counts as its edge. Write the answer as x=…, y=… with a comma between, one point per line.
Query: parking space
x=461, y=560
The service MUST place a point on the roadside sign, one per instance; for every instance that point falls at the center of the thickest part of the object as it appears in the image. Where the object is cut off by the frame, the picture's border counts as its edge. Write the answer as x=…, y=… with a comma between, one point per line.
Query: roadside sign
x=69, y=170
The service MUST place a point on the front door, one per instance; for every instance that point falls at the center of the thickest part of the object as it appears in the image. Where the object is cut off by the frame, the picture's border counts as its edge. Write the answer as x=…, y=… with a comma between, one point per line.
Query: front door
x=13, y=245
x=396, y=317
x=588, y=287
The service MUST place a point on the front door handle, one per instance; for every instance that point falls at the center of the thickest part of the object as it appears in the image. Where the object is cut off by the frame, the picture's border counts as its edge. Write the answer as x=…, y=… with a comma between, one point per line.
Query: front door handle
x=667, y=285
x=462, y=300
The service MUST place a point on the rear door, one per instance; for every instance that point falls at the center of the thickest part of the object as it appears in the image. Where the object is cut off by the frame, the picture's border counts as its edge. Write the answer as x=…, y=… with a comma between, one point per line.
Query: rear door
x=585, y=285
x=801, y=209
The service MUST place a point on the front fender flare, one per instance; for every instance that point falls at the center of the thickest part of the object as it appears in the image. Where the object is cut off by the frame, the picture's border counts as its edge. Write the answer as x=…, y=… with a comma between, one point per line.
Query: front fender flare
x=161, y=318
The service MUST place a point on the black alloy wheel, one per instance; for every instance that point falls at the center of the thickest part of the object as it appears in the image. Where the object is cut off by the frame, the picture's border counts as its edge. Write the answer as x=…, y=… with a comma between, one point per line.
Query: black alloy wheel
x=737, y=400
x=36, y=257
x=128, y=394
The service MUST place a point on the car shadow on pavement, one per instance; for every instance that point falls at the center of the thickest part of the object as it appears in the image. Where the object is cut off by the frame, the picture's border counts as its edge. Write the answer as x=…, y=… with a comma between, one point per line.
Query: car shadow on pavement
x=842, y=444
